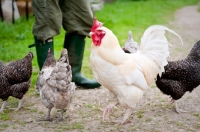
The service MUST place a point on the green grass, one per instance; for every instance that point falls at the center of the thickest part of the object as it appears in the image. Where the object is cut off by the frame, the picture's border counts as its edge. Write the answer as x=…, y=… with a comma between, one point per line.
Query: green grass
x=198, y=7
x=3, y=126
x=120, y=16
x=5, y=116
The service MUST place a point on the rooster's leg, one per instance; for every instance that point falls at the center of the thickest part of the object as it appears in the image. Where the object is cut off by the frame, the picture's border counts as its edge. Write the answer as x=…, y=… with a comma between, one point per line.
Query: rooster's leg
x=3, y=106
x=108, y=110
x=127, y=114
x=177, y=108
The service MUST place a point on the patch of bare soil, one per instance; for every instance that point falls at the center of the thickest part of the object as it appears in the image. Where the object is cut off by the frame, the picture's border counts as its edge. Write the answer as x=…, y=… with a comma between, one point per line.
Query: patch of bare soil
x=153, y=114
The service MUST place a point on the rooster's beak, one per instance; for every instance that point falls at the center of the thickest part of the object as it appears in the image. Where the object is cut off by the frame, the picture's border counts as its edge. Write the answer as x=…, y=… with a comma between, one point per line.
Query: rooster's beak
x=91, y=33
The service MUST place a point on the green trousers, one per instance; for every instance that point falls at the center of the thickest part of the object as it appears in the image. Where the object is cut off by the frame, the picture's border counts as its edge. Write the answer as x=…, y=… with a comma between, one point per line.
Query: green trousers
x=75, y=16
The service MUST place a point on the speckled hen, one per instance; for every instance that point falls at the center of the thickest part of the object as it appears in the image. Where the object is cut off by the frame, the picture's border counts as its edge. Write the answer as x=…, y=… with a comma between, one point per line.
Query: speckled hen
x=58, y=89
x=181, y=76
x=15, y=79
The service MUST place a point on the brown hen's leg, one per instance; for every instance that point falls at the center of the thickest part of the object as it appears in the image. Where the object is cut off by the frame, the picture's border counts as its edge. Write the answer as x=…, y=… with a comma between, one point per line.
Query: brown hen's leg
x=19, y=105
x=177, y=108
x=172, y=100
x=3, y=106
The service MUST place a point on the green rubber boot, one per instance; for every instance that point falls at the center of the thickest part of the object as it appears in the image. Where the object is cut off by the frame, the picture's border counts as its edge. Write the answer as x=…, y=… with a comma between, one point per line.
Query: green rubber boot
x=42, y=49
x=75, y=44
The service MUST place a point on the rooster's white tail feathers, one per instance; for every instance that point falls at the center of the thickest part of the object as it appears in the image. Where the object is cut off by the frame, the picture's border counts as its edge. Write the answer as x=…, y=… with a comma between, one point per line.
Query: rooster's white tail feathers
x=155, y=46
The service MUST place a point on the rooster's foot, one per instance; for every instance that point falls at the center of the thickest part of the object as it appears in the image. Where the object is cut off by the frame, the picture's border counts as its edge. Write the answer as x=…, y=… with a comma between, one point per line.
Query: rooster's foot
x=108, y=110
x=106, y=113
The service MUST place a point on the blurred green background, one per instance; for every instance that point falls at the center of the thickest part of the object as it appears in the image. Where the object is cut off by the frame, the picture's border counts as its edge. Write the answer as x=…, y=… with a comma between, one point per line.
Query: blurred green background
x=120, y=16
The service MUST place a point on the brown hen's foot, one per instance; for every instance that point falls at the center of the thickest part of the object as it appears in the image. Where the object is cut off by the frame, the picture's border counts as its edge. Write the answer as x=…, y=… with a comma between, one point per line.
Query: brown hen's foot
x=19, y=107
x=177, y=108
x=122, y=122
x=16, y=109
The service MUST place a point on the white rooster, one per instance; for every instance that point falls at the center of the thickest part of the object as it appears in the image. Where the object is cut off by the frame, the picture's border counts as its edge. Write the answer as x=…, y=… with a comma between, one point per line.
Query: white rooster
x=127, y=75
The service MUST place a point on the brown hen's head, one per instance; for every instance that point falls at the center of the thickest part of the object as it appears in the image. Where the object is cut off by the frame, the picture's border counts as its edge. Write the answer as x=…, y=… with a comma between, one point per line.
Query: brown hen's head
x=30, y=55
x=96, y=34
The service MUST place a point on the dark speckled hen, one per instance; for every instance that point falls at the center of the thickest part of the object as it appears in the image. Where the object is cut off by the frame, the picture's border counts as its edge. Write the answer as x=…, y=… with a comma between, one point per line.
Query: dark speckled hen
x=181, y=76
x=15, y=79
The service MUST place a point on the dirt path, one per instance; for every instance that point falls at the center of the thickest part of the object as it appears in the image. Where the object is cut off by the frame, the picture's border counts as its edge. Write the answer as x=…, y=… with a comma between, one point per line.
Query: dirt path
x=187, y=25
x=153, y=114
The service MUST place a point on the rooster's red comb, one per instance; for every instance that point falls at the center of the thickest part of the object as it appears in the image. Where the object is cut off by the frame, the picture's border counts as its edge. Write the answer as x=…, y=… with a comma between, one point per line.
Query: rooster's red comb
x=96, y=24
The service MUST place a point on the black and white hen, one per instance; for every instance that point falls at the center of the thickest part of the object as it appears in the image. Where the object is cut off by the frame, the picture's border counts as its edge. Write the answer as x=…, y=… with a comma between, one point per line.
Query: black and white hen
x=15, y=79
x=181, y=76
x=58, y=90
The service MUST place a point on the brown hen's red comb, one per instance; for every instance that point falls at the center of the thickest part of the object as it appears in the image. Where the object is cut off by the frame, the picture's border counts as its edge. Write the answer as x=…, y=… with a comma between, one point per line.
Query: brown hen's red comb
x=96, y=24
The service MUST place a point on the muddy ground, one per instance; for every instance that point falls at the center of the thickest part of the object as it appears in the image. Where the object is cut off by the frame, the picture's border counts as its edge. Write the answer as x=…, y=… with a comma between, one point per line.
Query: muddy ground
x=153, y=114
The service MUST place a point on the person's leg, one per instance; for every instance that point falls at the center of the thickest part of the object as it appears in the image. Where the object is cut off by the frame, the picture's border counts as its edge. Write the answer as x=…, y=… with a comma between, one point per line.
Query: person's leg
x=48, y=21
x=77, y=21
